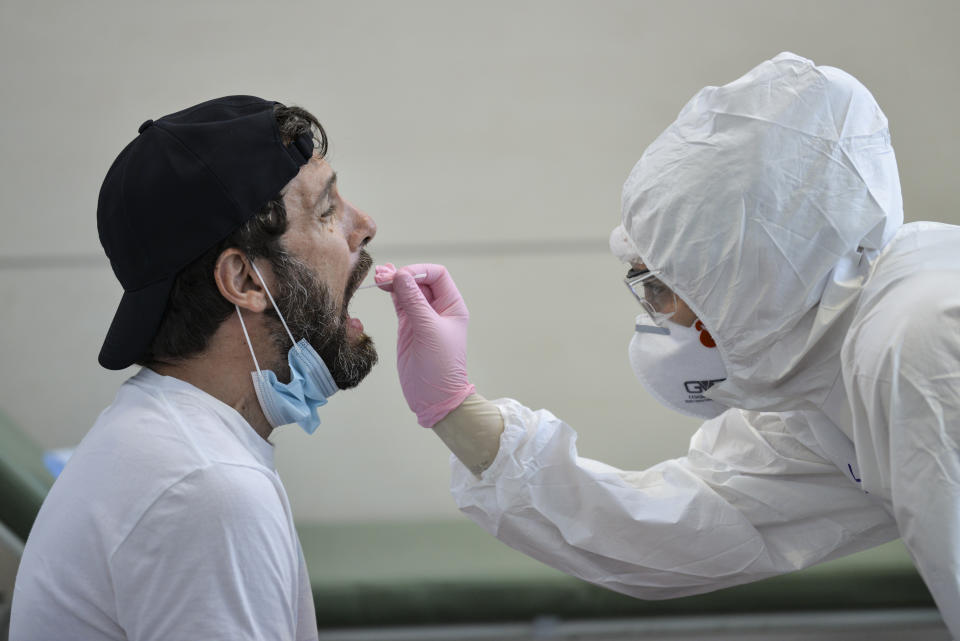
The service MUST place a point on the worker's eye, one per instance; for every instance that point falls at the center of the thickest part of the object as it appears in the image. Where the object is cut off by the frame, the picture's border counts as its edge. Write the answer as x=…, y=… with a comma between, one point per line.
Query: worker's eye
x=654, y=289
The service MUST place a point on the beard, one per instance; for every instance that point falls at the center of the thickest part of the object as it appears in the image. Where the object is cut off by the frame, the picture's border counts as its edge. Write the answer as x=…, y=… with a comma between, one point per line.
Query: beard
x=311, y=313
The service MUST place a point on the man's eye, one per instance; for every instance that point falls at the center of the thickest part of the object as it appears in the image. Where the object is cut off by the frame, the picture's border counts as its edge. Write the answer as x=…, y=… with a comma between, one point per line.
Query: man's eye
x=329, y=212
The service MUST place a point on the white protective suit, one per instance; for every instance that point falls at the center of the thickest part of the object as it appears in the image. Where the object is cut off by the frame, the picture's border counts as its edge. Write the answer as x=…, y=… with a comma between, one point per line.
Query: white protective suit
x=772, y=206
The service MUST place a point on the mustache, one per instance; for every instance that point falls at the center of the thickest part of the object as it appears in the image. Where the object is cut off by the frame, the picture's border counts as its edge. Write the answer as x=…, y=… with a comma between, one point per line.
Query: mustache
x=360, y=271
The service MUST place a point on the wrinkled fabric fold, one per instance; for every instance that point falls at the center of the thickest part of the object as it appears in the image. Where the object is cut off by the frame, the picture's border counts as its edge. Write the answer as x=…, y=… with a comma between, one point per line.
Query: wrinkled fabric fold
x=718, y=517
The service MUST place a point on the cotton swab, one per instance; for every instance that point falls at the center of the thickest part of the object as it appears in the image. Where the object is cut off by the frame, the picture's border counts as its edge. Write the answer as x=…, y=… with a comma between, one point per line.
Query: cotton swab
x=387, y=282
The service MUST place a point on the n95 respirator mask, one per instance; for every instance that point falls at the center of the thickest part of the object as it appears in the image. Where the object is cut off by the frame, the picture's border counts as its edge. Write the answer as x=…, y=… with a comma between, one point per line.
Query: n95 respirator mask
x=677, y=367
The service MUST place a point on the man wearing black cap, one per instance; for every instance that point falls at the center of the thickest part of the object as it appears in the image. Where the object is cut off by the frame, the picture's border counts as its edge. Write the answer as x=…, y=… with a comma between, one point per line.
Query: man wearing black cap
x=238, y=257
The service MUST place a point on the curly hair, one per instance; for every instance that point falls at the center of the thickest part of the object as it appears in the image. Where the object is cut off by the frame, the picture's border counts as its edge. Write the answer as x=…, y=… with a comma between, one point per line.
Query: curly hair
x=195, y=308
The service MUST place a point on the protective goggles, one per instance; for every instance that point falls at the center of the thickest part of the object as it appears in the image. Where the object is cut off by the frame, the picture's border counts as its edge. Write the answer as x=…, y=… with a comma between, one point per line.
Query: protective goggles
x=656, y=299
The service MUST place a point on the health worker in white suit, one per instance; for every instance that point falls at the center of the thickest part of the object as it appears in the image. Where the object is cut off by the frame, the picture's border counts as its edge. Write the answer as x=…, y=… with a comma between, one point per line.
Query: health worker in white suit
x=782, y=299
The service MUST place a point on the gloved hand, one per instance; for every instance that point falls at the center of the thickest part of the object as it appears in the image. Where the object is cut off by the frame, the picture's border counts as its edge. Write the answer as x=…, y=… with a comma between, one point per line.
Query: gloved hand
x=431, y=340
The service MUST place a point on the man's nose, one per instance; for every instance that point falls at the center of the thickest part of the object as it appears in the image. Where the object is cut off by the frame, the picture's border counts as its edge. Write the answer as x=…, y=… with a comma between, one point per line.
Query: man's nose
x=364, y=228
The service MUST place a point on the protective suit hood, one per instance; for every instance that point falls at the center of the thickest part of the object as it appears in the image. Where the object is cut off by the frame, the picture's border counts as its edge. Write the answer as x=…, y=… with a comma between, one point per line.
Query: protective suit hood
x=764, y=206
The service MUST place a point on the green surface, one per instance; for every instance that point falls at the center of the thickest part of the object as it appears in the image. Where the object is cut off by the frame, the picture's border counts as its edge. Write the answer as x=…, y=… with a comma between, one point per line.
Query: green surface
x=24, y=481
x=452, y=571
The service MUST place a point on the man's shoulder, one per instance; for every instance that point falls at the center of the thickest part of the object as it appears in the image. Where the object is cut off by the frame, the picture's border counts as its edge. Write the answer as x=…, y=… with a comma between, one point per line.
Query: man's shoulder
x=147, y=449
x=174, y=422
x=138, y=408
x=138, y=433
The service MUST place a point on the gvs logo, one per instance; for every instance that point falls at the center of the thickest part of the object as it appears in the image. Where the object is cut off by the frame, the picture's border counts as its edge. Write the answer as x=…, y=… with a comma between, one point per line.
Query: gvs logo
x=699, y=387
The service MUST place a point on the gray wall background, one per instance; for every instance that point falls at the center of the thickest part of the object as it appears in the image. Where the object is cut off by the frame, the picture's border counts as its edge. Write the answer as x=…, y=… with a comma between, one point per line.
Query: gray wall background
x=489, y=136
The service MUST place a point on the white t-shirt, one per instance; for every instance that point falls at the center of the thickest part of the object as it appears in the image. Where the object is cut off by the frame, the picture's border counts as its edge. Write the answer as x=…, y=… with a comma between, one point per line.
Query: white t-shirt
x=168, y=522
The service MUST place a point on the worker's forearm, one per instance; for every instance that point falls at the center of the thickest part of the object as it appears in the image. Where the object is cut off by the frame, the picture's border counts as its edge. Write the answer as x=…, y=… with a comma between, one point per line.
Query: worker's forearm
x=472, y=432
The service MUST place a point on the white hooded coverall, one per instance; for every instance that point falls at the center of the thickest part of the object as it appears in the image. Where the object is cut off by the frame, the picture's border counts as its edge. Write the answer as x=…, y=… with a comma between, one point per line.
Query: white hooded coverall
x=772, y=207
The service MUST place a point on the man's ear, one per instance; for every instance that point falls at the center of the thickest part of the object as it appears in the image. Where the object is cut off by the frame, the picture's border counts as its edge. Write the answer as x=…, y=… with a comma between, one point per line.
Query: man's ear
x=237, y=281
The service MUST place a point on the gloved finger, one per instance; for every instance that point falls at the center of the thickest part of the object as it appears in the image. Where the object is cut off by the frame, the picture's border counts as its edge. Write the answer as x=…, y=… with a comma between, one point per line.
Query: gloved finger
x=443, y=294
x=383, y=273
x=409, y=300
x=417, y=270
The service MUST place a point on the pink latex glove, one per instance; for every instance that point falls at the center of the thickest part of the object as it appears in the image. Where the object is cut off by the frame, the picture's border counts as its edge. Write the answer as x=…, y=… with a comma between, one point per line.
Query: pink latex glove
x=431, y=339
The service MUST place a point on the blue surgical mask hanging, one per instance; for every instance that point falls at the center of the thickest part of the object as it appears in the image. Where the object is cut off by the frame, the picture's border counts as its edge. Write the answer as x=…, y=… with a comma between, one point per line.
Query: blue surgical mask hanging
x=310, y=381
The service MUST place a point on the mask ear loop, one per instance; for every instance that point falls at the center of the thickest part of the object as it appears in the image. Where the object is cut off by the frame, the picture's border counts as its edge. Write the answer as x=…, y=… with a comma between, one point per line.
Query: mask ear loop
x=277, y=309
x=243, y=326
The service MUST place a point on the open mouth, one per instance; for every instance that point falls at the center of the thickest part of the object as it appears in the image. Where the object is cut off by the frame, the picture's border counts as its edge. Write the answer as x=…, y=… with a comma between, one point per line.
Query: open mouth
x=359, y=273
x=354, y=325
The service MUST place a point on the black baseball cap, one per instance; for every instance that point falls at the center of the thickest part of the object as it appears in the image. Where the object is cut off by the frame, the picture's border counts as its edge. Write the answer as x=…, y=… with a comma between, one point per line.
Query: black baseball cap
x=185, y=183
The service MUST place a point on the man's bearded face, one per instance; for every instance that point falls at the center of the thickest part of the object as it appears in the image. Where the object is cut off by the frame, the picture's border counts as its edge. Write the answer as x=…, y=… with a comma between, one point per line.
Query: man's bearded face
x=311, y=313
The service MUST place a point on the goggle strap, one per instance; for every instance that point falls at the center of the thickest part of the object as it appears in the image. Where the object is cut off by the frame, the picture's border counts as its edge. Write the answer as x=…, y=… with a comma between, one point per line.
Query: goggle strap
x=652, y=329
